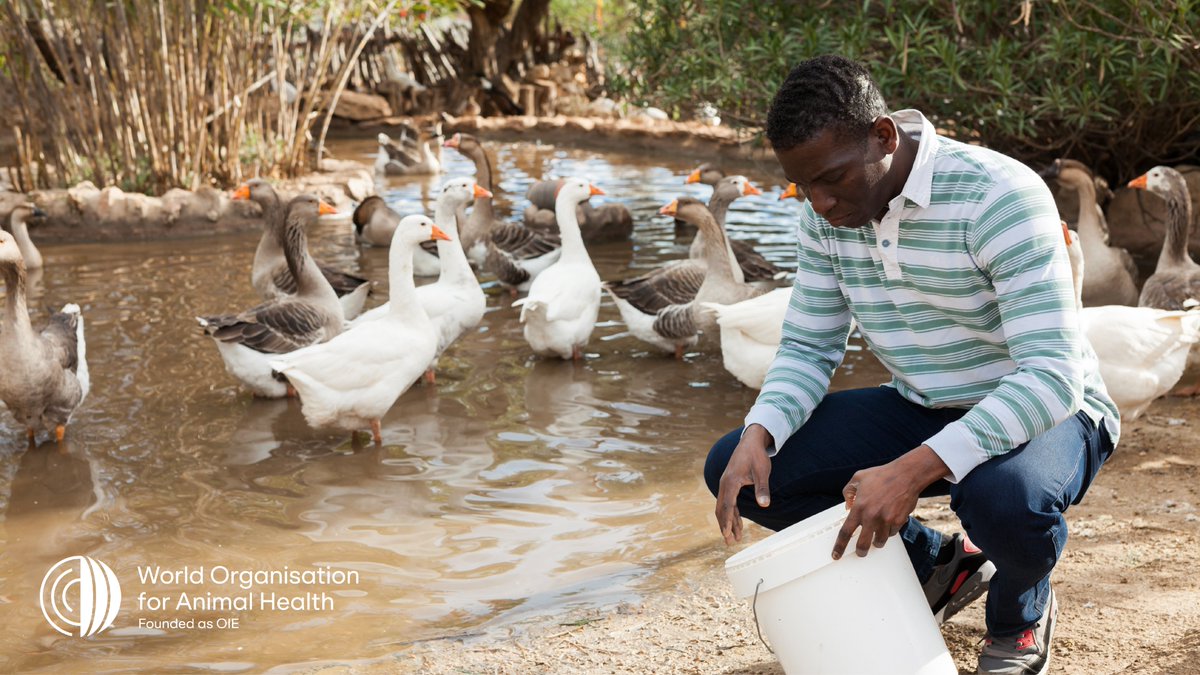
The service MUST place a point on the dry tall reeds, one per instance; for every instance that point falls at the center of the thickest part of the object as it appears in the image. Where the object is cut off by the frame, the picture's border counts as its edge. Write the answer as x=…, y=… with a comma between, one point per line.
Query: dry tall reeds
x=153, y=94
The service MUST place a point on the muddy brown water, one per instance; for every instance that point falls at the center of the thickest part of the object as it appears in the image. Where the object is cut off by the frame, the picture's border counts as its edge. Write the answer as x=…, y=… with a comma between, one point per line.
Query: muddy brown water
x=515, y=489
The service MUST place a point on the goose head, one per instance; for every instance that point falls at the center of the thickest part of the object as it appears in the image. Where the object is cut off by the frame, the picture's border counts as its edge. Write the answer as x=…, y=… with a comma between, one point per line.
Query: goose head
x=458, y=192
x=23, y=212
x=415, y=229
x=461, y=142
x=259, y=191
x=706, y=173
x=691, y=211
x=1069, y=172
x=733, y=187
x=1164, y=182
x=574, y=191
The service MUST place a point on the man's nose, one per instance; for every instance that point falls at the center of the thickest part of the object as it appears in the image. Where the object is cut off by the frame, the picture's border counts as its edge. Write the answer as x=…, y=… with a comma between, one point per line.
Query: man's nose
x=822, y=201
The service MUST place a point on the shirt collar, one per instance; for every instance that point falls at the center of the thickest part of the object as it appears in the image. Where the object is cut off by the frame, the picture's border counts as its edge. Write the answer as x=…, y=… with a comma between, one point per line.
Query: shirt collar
x=919, y=185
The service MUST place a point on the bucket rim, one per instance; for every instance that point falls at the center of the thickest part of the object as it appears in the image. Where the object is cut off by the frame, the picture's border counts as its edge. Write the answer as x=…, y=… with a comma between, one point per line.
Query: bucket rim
x=793, y=535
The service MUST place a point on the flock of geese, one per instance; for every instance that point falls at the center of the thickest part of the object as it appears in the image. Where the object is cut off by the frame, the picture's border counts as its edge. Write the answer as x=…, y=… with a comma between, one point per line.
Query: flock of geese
x=310, y=337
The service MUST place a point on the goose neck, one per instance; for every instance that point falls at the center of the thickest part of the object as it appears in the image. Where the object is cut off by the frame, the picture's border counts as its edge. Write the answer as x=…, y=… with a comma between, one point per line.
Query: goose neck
x=568, y=229
x=454, y=264
x=17, y=312
x=1175, y=245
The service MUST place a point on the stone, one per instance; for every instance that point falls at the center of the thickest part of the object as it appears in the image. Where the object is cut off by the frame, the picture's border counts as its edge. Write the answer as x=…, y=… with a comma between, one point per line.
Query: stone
x=358, y=107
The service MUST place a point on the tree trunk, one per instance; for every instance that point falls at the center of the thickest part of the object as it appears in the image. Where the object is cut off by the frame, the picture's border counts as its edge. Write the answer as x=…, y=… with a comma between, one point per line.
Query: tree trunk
x=486, y=23
x=511, y=49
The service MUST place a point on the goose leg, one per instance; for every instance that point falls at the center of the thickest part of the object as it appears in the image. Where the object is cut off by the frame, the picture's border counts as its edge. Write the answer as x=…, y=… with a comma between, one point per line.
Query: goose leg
x=576, y=353
x=512, y=291
x=376, y=432
x=60, y=432
x=30, y=434
x=430, y=377
x=291, y=391
x=678, y=352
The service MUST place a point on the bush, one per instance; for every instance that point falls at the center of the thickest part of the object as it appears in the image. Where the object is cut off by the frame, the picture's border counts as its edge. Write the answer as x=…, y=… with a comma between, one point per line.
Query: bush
x=1113, y=83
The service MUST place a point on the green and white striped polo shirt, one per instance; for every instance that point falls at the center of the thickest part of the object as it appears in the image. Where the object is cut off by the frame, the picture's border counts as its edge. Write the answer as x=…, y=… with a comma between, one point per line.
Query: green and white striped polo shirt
x=963, y=291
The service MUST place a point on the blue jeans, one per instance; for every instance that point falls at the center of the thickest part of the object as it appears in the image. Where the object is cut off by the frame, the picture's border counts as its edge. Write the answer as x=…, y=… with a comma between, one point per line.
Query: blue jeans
x=1011, y=506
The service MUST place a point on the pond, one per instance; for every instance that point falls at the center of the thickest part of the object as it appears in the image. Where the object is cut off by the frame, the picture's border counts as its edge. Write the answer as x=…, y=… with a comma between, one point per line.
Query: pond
x=516, y=488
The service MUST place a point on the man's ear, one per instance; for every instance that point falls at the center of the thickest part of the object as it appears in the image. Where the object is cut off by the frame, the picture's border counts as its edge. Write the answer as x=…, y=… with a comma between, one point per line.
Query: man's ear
x=885, y=134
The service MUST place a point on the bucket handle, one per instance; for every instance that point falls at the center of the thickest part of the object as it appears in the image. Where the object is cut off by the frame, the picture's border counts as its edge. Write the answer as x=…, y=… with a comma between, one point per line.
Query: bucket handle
x=754, y=608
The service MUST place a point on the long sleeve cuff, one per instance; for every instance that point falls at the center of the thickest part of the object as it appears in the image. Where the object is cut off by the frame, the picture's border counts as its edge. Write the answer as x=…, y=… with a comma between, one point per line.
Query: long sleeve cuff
x=774, y=421
x=958, y=449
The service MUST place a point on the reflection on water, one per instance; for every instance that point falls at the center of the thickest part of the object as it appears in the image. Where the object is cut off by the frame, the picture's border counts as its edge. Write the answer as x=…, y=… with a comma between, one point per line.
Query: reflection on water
x=515, y=488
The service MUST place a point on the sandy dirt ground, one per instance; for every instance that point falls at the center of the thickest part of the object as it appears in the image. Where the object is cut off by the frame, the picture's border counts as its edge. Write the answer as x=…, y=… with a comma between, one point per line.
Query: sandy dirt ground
x=1128, y=588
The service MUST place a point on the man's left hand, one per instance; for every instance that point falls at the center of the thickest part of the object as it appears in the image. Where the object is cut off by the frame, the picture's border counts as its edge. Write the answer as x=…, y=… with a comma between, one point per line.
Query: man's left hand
x=881, y=498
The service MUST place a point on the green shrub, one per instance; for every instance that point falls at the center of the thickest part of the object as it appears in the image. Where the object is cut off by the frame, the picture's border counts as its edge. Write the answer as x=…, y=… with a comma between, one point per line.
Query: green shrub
x=1113, y=83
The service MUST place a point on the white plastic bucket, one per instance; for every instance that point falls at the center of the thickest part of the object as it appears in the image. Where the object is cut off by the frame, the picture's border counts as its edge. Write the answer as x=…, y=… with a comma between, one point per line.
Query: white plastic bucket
x=854, y=615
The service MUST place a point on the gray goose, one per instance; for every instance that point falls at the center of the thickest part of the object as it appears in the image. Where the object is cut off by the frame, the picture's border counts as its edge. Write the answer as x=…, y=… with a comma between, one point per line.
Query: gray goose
x=514, y=254
x=410, y=156
x=1112, y=274
x=1175, y=283
x=751, y=265
x=673, y=322
x=311, y=315
x=43, y=376
x=678, y=282
x=270, y=274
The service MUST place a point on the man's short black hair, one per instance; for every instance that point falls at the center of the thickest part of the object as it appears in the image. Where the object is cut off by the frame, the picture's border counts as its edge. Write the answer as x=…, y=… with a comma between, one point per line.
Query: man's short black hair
x=826, y=92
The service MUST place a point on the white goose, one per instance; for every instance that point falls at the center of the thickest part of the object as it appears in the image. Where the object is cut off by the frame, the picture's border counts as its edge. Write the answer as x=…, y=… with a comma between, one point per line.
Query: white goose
x=454, y=303
x=352, y=381
x=269, y=272
x=750, y=334
x=560, y=311
x=1142, y=350
x=249, y=340
x=43, y=376
x=20, y=231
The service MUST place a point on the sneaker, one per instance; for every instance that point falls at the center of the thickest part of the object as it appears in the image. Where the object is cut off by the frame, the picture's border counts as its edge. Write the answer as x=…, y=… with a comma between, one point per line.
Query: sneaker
x=1026, y=653
x=959, y=582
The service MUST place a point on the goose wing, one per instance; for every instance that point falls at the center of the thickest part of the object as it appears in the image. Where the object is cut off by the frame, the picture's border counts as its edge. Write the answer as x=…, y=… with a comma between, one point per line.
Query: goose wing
x=674, y=284
x=343, y=282
x=271, y=328
x=522, y=243
x=754, y=266
x=61, y=339
x=676, y=322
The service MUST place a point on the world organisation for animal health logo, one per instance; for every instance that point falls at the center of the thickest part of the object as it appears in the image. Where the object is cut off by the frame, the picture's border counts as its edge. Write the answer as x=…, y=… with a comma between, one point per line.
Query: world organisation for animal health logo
x=80, y=596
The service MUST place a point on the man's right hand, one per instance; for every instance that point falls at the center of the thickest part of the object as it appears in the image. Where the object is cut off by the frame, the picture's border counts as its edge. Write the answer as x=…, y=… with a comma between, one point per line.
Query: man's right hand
x=748, y=465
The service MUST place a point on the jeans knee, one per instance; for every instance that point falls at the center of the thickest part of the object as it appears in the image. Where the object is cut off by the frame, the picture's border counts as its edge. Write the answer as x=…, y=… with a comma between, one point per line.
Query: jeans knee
x=1008, y=521
x=718, y=457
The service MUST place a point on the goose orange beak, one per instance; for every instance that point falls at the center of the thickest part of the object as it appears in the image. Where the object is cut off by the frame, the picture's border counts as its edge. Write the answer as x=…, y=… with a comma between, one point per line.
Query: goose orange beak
x=595, y=190
x=452, y=142
x=670, y=209
x=243, y=192
x=1139, y=182
x=325, y=209
x=750, y=190
x=693, y=177
x=790, y=191
x=1066, y=233
x=481, y=193
x=437, y=233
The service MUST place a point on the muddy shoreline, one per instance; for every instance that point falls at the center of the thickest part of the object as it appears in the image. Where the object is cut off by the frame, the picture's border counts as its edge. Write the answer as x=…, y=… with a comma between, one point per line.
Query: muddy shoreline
x=1128, y=596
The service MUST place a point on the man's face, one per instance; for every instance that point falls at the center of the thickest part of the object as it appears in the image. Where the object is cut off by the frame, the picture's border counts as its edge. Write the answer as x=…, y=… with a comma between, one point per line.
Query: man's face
x=842, y=176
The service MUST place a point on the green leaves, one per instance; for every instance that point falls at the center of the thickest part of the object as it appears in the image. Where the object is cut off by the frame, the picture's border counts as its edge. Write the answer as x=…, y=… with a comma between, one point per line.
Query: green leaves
x=1097, y=77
